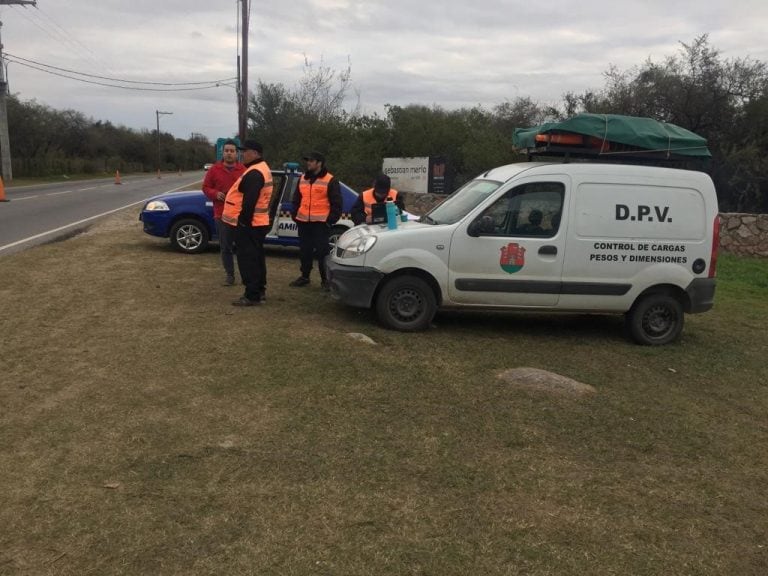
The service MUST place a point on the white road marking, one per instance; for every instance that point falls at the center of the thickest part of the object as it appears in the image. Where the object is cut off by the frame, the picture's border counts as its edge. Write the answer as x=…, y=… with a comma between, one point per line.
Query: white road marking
x=84, y=220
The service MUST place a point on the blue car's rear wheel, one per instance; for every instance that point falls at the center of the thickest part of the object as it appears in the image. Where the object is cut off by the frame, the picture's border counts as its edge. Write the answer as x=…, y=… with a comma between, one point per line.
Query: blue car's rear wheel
x=336, y=233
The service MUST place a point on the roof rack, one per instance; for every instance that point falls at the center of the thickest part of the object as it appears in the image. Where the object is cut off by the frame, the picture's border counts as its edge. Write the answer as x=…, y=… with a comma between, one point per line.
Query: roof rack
x=614, y=138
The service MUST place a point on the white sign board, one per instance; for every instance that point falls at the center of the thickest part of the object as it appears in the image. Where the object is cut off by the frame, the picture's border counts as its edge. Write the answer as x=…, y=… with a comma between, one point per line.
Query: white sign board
x=408, y=174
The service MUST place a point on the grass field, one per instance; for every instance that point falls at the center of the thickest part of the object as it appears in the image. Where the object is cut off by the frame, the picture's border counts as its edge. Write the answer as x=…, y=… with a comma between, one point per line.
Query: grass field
x=149, y=427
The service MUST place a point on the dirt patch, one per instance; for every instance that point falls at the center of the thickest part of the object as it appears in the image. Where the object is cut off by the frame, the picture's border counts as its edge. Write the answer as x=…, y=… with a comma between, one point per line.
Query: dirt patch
x=125, y=219
x=536, y=379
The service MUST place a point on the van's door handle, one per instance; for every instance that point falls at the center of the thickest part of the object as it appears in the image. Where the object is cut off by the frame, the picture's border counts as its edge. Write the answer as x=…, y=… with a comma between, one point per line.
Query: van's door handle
x=548, y=250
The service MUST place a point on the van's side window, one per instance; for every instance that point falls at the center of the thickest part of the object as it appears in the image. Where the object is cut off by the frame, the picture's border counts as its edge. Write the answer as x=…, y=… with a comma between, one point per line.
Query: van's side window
x=532, y=209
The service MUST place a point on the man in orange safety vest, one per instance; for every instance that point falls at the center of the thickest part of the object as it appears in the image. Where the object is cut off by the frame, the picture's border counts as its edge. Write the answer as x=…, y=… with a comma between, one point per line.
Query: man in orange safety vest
x=246, y=210
x=382, y=191
x=316, y=207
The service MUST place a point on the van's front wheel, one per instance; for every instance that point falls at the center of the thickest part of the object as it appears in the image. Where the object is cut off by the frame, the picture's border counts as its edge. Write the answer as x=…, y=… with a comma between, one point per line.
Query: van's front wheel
x=406, y=303
x=655, y=319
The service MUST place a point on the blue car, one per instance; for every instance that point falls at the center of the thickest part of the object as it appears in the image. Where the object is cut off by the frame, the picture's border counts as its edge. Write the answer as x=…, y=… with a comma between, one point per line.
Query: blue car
x=186, y=218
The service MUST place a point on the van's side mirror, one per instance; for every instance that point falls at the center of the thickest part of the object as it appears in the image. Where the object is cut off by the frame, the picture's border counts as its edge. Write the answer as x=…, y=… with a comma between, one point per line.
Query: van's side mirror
x=481, y=226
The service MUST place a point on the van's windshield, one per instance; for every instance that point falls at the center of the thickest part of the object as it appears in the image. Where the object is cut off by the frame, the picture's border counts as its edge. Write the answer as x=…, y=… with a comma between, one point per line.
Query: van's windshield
x=461, y=202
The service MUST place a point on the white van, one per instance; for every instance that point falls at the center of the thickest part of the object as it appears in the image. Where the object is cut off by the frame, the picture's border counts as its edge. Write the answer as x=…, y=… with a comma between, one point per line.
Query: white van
x=579, y=237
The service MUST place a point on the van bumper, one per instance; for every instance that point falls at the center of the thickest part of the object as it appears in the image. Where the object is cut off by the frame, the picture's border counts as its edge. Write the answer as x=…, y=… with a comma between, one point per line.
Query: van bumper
x=701, y=294
x=352, y=285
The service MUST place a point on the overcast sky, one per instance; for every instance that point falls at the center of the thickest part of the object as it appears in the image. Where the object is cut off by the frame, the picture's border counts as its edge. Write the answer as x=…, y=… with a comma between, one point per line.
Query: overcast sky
x=450, y=53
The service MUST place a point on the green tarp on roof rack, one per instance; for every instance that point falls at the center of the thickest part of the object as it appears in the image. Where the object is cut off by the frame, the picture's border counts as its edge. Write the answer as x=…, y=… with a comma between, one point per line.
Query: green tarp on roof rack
x=611, y=135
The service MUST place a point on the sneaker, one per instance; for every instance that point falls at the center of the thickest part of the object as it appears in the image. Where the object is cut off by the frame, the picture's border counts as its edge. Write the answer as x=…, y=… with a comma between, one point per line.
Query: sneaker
x=262, y=297
x=229, y=281
x=300, y=281
x=325, y=286
x=243, y=301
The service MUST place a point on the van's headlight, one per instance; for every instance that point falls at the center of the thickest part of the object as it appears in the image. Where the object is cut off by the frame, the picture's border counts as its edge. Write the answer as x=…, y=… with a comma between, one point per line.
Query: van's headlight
x=156, y=206
x=356, y=246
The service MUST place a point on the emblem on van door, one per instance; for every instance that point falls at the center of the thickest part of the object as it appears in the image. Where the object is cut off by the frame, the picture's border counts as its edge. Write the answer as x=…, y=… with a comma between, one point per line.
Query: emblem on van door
x=512, y=258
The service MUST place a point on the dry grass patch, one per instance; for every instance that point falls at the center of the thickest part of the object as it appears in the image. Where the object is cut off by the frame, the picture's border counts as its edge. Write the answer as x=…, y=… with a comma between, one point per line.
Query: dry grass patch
x=151, y=428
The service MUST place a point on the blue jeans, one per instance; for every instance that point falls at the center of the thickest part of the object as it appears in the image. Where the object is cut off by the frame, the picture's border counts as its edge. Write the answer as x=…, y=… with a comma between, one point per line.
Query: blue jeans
x=226, y=242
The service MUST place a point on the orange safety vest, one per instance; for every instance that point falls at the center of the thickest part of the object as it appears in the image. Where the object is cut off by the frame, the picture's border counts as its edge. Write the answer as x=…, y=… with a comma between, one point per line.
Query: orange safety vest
x=369, y=200
x=233, y=203
x=315, y=206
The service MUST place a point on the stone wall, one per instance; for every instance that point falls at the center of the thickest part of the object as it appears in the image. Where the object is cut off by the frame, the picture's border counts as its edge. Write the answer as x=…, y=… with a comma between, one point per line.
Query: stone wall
x=745, y=234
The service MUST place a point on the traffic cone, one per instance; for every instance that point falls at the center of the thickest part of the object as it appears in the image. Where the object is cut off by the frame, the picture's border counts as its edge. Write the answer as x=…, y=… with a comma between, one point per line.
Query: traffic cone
x=117, y=177
x=2, y=191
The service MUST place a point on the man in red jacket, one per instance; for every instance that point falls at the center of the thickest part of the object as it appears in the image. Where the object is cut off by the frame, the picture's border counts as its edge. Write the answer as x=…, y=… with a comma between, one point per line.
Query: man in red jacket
x=218, y=181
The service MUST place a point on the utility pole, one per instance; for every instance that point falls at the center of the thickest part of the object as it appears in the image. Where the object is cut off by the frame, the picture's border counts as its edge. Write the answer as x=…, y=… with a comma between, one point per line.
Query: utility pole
x=243, y=74
x=5, y=141
x=157, y=115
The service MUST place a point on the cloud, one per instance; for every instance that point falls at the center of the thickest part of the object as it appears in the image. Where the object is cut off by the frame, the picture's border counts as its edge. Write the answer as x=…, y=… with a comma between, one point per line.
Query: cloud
x=446, y=53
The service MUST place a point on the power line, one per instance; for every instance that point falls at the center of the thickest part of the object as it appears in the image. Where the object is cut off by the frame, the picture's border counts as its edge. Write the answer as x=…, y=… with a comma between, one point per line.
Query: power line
x=59, y=34
x=20, y=60
x=72, y=40
x=211, y=85
x=33, y=18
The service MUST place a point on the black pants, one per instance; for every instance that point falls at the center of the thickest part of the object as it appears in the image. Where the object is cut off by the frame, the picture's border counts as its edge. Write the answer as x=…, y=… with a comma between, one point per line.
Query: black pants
x=251, y=262
x=314, y=242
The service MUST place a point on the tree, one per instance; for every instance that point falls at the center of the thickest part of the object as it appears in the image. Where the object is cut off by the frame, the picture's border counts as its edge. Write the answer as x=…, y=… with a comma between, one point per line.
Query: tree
x=322, y=91
x=697, y=89
x=520, y=113
x=313, y=109
x=45, y=141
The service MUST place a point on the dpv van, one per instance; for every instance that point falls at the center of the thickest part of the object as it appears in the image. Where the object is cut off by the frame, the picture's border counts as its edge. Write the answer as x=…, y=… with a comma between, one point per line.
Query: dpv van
x=581, y=237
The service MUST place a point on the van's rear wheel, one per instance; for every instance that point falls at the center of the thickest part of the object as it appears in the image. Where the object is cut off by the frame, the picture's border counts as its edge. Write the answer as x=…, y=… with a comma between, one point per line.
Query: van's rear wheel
x=406, y=303
x=655, y=319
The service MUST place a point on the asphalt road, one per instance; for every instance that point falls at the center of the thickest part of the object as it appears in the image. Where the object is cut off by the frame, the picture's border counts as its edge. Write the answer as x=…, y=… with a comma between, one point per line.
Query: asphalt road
x=41, y=213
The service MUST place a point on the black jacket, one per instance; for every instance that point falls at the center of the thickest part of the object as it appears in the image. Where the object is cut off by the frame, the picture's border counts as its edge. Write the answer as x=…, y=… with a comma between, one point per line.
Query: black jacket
x=250, y=186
